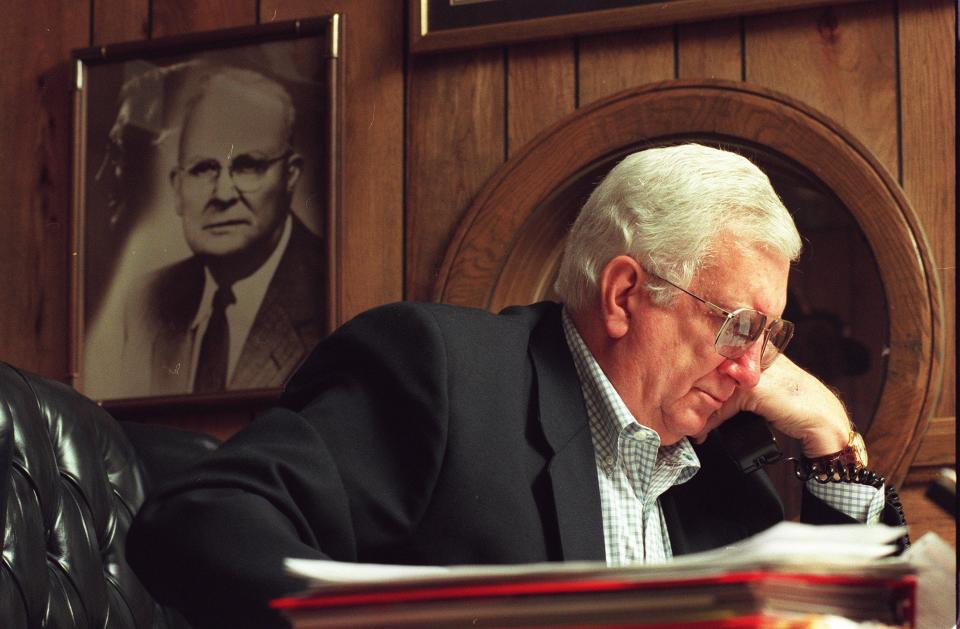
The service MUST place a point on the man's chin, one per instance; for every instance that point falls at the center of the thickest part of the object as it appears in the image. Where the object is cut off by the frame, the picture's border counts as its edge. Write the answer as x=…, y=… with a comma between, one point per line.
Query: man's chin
x=224, y=244
x=688, y=424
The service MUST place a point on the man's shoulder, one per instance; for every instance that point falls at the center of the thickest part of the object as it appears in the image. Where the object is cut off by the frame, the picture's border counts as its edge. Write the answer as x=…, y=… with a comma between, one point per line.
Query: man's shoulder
x=450, y=315
x=305, y=249
x=431, y=329
x=176, y=287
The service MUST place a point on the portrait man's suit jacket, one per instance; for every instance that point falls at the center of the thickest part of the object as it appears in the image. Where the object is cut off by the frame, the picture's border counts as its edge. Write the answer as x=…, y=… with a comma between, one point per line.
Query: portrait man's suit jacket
x=415, y=434
x=288, y=323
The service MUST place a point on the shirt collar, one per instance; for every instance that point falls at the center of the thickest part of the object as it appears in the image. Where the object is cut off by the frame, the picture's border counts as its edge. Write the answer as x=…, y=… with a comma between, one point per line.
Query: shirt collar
x=609, y=416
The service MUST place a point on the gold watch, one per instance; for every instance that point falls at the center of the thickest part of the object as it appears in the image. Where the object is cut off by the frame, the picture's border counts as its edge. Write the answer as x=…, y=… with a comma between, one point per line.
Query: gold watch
x=833, y=466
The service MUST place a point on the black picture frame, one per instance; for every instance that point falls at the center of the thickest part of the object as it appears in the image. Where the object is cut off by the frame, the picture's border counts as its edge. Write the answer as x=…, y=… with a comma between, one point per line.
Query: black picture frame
x=443, y=25
x=130, y=292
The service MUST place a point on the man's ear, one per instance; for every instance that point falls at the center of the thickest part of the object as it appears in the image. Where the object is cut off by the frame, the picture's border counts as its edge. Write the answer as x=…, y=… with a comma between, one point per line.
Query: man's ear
x=621, y=286
x=294, y=168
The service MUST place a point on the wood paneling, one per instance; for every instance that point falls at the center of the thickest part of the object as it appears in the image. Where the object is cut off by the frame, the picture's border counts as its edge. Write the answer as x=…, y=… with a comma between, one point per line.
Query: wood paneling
x=35, y=98
x=175, y=17
x=611, y=63
x=839, y=60
x=540, y=89
x=710, y=50
x=120, y=20
x=939, y=445
x=371, y=208
x=928, y=112
x=455, y=141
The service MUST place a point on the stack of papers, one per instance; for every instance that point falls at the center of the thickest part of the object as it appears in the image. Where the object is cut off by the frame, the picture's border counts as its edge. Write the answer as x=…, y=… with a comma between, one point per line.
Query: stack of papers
x=791, y=575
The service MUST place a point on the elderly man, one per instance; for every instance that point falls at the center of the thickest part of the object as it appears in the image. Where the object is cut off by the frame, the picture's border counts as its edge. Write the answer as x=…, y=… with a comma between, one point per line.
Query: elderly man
x=431, y=434
x=247, y=307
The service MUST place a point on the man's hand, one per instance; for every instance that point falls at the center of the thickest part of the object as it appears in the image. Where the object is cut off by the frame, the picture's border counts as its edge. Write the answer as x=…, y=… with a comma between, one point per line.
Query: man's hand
x=796, y=404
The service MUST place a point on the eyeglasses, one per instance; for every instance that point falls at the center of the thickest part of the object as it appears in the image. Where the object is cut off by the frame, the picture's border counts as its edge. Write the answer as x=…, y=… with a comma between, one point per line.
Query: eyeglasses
x=246, y=171
x=741, y=329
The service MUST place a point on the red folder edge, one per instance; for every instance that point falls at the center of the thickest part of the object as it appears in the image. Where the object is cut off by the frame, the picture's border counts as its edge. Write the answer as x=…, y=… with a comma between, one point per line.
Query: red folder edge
x=906, y=583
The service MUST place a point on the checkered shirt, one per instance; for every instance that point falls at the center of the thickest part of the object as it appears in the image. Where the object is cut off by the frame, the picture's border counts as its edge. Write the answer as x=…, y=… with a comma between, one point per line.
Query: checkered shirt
x=633, y=470
x=861, y=502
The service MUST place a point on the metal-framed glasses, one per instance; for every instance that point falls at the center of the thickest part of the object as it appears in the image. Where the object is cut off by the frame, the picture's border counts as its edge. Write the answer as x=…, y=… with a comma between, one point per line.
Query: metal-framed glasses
x=743, y=327
x=246, y=171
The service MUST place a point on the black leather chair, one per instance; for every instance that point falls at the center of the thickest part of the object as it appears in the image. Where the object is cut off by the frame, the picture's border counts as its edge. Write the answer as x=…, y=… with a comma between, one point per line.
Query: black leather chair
x=71, y=480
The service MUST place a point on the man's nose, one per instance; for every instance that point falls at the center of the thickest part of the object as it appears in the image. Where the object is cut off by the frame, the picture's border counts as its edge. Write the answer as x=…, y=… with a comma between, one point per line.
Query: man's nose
x=224, y=187
x=745, y=370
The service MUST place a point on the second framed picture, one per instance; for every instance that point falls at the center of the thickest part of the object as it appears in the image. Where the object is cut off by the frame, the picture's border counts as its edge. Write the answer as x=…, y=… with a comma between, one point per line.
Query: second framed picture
x=205, y=201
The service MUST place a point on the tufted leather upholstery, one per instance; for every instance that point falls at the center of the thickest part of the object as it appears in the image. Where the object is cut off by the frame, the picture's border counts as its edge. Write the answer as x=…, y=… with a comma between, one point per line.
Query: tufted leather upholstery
x=70, y=483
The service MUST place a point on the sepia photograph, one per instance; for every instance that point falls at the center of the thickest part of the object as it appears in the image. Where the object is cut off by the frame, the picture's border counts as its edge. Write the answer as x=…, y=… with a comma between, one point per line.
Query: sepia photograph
x=204, y=187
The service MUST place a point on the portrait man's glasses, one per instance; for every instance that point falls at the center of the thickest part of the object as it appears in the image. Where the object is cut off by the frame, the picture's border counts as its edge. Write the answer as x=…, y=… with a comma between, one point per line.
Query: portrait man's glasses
x=246, y=171
x=741, y=329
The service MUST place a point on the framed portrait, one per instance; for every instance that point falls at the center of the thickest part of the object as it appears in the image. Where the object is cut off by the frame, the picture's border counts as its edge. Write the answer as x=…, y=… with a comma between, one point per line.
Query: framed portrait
x=438, y=25
x=205, y=199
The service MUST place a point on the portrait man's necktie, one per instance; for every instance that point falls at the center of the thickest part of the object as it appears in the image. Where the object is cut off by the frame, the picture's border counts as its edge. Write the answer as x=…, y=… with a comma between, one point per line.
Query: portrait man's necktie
x=215, y=349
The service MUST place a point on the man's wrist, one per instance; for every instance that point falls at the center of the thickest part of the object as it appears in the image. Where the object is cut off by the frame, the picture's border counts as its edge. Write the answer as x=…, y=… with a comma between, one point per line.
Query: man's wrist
x=836, y=466
x=827, y=441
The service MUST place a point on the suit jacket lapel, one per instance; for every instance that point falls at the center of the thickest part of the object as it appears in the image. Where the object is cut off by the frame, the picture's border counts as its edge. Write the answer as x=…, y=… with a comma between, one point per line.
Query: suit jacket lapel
x=563, y=418
x=272, y=350
x=178, y=292
x=290, y=319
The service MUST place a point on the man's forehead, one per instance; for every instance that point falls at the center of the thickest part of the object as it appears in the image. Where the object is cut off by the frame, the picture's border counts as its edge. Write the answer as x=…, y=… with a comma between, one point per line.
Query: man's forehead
x=746, y=278
x=236, y=123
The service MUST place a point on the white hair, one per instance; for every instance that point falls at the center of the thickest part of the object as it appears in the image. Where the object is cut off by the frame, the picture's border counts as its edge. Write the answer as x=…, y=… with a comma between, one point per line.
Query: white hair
x=666, y=207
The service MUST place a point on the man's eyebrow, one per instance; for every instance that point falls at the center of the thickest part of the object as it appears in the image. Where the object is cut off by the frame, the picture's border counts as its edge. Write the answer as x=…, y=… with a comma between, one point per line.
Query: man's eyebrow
x=194, y=159
x=720, y=302
x=725, y=305
x=255, y=154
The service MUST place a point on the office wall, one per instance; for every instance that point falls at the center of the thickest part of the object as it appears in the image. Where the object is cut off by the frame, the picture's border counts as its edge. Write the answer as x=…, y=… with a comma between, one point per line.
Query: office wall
x=422, y=134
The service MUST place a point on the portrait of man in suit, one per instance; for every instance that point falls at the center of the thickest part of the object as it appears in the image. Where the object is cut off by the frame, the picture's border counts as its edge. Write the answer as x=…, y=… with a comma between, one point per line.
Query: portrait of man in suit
x=247, y=305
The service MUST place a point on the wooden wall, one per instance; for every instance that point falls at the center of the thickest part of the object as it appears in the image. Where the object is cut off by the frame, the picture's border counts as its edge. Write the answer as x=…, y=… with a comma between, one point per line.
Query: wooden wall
x=422, y=134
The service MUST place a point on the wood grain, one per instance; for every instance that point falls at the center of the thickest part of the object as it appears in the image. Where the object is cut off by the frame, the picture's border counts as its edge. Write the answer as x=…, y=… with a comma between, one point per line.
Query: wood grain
x=610, y=63
x=120, y=20
x=370, y=240
x=35, y=132
x=939, y=445
x=838, y=60
x=175, y=17
x=455, y=141
x=710, y=50
x=540, y=89
x=928, y=110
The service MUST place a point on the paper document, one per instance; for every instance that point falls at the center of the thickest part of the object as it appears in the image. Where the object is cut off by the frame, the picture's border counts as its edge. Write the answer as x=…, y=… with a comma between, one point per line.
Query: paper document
x=792, y=575
x=828, y=549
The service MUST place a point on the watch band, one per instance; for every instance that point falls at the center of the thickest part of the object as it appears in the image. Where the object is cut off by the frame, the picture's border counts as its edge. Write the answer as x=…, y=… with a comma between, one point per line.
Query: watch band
x=847, y=465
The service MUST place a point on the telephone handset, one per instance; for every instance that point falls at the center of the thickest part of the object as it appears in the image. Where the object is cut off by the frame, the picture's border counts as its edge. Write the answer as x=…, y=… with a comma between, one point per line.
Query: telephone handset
x=747, y=438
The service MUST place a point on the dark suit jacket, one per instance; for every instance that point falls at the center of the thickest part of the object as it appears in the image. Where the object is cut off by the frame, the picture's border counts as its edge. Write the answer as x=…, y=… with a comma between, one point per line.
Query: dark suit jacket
x=415, y=434
x=288, y=323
